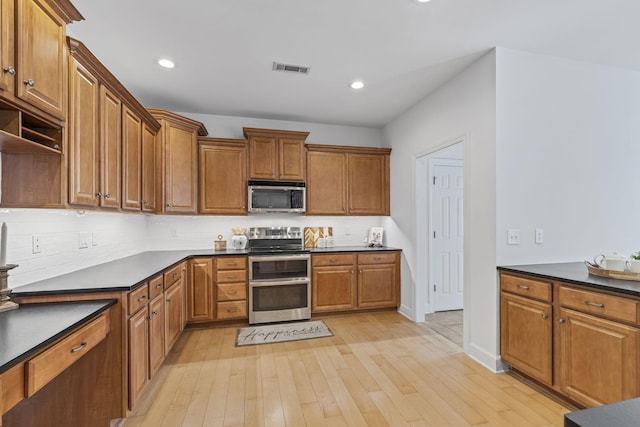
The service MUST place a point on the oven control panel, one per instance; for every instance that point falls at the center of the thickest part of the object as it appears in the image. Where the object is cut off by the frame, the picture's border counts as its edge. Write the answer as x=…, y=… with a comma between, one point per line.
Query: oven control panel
x=275, y=233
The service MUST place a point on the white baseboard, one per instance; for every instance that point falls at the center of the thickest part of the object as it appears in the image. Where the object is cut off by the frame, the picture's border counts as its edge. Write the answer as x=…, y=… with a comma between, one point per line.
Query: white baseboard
x=407, y=312
x=490, y=361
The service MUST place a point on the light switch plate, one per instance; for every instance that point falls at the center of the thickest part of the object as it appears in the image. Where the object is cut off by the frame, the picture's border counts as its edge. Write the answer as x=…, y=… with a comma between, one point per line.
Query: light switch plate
x=513, y=236
x=83, y=240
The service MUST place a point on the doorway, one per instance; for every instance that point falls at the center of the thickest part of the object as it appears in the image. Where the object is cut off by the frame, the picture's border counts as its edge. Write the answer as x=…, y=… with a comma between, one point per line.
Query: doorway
x=439, y=212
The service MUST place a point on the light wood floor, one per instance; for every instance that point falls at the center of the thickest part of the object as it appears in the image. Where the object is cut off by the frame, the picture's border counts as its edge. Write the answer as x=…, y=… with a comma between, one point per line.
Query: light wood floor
x=377, y=370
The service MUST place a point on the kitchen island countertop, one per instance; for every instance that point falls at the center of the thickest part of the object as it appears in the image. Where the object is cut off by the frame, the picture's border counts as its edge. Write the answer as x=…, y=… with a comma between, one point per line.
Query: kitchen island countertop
x=576, y=273
x=32, y=327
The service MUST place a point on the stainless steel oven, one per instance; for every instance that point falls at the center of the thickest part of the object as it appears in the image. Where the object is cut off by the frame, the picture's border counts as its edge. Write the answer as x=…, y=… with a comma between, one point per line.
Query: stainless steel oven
x=279, y=275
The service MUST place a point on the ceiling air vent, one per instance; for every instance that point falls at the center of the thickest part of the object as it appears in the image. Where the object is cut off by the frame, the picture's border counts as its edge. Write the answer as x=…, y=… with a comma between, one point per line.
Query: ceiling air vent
x=291, y=68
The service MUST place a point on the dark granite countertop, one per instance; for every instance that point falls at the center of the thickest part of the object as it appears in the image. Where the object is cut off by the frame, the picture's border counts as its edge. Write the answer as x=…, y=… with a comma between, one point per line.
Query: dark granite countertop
x=576, y=273
x=620, y=414
x=32, y=327
x=127, y=273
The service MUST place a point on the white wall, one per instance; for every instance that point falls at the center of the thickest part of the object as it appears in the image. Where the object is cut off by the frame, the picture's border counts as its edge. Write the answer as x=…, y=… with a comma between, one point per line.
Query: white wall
x=118, y=235
x=464, y=106
x=568, y=150
x=231, y=127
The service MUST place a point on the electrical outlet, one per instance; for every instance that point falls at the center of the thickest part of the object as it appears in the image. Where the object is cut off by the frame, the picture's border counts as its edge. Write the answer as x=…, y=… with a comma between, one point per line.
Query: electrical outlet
x=174, y=232
x=347, y=230
x=513, y=236
x=94, y=239
x=83, y=240
x=36, y=247
x=539, y=236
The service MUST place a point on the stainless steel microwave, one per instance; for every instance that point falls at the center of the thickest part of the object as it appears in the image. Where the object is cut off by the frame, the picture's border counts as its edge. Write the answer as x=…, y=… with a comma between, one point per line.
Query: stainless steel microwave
x=277, y=196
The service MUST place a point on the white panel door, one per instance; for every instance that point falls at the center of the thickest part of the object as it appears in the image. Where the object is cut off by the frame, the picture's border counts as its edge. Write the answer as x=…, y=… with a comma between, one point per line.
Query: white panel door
x=446, y=259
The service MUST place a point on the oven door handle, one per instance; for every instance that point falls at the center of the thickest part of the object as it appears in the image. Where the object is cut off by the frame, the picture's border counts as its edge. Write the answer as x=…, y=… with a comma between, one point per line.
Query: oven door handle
x=262, y=283
x=294, y=257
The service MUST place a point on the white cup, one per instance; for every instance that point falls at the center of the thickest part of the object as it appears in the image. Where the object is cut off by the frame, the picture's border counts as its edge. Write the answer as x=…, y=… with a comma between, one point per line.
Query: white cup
x=612, y=262
x=634, y=265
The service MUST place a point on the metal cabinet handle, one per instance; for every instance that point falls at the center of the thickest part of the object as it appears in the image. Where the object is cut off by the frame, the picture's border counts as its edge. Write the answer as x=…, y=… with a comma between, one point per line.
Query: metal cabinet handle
x=232, y=292
x=231, y=276
x=175, y=275
x=333, y=260
x=159, y=285
x=154, y=312
x=525, y=287
x=232, y=263
x=79, y=348
x=168, y=299
x=99, y=194
x=376, y=258
x=232, y=310
x=168, y=205
x=544, y=316
x=594, y=304
x=30, y=83
x=107, y=196
x=561, y=320
x=9, y=70
x=142, y=298
x=143, y=202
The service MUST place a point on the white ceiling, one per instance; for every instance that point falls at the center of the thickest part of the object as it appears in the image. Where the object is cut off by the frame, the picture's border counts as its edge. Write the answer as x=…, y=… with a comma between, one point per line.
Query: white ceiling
x=224, y=49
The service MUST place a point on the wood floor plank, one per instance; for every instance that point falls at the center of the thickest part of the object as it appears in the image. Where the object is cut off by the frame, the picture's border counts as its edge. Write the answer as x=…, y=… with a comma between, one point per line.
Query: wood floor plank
x=379, y=369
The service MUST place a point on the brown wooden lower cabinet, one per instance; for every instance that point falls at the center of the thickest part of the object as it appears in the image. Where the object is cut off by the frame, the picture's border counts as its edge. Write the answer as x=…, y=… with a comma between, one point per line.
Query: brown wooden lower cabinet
x=138, y=354
x=354, y=281
x=581, y=342
x=200, y=292
x=174, y=314
x=156, y=334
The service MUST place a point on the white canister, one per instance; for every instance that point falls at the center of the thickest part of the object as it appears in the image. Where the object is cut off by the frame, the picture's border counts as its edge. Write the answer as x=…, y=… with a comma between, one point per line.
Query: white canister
x=330, y=242
x=238, y=241
x=322, y=242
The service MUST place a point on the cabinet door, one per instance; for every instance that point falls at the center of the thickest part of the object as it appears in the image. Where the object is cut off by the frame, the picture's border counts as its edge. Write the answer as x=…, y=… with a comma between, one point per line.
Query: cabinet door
x=138, y=354
x=149, y=163
x=291, y=159
x=262, y=158
x=41, y=69
x=181, y=169
x=174, y=306
x=368, y=184
x=156, y=334
x=377, y=286
x=110, y=148
x=526, y=336
x=598, y=359
x=7, y=46
x=326, y=183
x=200, y=298
x=131, y=159
x=83, y=136
x=333, y=288
x=223, y=180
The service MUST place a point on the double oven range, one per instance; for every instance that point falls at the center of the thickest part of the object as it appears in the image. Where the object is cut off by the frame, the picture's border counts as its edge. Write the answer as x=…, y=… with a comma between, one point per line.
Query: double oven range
x=279, y=275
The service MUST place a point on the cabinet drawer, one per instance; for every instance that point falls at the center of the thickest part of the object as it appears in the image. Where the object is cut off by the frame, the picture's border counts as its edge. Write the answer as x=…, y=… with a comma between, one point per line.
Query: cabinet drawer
x=156, y=286
x=51, y=362
x=138, y=298
x=232, y=309
x=527, y=287
x=377, y=258
x=235, y=263
x=333, y=259
x=172, y=276
x=610, y=306
x=230, y=276
x=232, y=291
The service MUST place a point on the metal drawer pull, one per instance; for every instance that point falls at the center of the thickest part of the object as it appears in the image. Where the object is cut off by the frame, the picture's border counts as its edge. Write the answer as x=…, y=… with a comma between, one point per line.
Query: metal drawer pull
x=232, y=292
x=333, y=260
x=175, y=275
x=79, y=348
x=525, y=287
x=562, y=320
x=154, y=312
x=142, y=298
x=231, y=276
x=594, y=304
x=9, y=70
x=159, y=285
x=30, y=83
x=168, y=299
x=376, y=258
x=544, y=316
x=232, y=310
x=232, y=263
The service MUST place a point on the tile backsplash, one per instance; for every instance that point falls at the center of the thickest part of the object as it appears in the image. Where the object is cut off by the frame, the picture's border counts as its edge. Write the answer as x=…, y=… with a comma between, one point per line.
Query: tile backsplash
x=115, y=235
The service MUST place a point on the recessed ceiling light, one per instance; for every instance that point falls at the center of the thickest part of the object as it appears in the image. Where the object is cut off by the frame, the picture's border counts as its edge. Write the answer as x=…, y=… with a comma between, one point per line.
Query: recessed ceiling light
x=356, y=85
x=421, y=1
x=166, y=63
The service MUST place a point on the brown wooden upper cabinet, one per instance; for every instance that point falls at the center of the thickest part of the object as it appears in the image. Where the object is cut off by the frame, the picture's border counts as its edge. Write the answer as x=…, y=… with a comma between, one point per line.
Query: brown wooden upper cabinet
x=178, y=141
x=99, y=144
x=347, y=180
x=33, y=54
x=276, y=154
x=222, y=176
